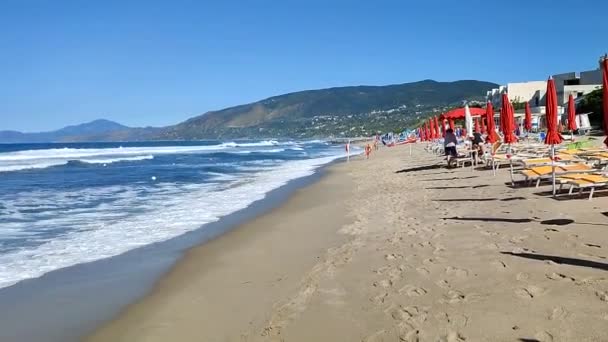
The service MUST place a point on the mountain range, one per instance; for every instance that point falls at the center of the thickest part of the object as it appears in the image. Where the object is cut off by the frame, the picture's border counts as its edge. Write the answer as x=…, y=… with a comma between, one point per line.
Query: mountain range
x=333, y=112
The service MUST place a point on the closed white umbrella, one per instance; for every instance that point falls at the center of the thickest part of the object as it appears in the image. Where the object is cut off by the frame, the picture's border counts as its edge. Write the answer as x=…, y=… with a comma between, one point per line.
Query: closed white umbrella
x=468, y=120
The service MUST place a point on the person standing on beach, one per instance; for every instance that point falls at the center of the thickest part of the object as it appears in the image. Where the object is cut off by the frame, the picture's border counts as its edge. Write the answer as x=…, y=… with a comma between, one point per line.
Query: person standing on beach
x=449, y=145
x=368, y=151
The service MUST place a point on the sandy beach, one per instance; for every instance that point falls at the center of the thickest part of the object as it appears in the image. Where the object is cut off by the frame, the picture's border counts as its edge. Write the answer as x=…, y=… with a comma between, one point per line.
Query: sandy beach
x=395, y=248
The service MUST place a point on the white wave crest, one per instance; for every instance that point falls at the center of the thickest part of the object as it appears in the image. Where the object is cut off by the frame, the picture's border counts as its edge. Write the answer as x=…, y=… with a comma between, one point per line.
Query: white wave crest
x=163, y=212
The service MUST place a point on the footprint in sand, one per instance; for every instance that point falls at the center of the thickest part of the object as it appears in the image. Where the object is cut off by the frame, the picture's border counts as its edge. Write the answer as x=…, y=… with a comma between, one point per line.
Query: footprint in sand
x=558, y=313
x=408, y=333
x=518, y=239
x=423, y=270
x=498, y=264
x=522, y=276
x=592, y=245
x=543, y=336
x=455, y=271
x=393, y=256
x=457, y=320
x=412, y=291
x=435, y=260
x=530, y=292
x=379, y=299
x=386, y=283
x=602, y=295
x=558, y=276
x=452, y=336
x=453, y=297
x=444, y=284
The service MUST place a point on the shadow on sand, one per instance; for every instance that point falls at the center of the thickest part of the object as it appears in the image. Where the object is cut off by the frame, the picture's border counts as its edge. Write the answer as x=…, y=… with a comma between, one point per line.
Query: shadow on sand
x=561, y=260
x=508, y=199
x=457, y=187
x=489, y=219
x=447, y=179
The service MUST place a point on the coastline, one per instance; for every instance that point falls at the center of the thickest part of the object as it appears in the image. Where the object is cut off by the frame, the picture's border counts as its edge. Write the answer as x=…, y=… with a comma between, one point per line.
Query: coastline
x=394, y=248
x=236, y=270
x=98, y=291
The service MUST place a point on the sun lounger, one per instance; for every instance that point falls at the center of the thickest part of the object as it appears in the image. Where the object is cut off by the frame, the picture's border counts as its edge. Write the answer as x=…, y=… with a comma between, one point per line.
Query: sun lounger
x=584, y=181
x=546, y=172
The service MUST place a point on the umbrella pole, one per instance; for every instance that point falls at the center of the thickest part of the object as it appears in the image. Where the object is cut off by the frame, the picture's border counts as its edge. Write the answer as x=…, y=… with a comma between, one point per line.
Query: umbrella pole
x=553, y=167
x=511, y=165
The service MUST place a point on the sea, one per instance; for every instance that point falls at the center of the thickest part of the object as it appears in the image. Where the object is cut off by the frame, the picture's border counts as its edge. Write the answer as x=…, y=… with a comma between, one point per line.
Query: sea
x=67, y=204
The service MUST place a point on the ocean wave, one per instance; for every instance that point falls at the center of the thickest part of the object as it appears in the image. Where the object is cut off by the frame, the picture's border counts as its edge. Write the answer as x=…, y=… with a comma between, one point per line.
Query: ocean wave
x=44, y=158
x=115, y=160
x=138, y=215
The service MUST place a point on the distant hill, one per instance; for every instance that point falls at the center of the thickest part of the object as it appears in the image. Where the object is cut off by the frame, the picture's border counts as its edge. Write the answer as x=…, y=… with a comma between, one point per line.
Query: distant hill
x=69, y=133
x=344, y=111
x=332, y=112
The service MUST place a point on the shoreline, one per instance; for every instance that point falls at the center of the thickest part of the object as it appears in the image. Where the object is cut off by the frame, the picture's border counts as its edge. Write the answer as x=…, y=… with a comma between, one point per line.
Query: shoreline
x=218, y=264
x=394, y=248
x=98, y=291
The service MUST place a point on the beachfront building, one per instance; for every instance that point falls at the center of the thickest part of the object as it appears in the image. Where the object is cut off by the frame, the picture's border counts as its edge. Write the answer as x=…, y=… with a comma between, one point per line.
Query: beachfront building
x=576, y=84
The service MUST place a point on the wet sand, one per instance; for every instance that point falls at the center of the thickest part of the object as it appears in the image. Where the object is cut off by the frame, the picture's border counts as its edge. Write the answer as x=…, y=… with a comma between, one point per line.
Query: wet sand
x=369, y=253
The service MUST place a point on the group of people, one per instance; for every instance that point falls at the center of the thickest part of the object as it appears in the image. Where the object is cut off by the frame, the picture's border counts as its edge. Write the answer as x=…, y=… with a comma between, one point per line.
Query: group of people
x=451, y=141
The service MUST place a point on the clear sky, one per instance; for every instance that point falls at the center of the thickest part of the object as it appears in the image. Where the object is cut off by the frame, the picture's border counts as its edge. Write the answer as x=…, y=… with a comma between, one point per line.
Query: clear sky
x=159, y=62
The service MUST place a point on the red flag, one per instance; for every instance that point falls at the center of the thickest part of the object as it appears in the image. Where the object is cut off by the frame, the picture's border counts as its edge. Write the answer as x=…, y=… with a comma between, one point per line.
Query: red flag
x=506, y=120
x=571, y=114
x=553, y=136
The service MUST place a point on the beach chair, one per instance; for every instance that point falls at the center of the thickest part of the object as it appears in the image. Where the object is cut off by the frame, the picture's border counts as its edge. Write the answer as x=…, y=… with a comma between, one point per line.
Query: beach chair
x=541, y=173
x=584, y=181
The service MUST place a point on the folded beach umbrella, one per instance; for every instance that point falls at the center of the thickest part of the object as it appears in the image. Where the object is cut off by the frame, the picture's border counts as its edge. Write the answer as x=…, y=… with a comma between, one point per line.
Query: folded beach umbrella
x=506, y=120
x=528, y=118
x=451, y=123
x=553, y=137
x=477, y=125
x=433, y=129
x=490, y=120
x=468, y=120
x=571, y=115
x=443, y=126
x=439, y=133
x=605, y=96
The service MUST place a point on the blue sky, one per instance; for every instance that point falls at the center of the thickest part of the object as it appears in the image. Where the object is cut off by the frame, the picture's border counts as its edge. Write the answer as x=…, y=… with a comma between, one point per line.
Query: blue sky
x=157, y=63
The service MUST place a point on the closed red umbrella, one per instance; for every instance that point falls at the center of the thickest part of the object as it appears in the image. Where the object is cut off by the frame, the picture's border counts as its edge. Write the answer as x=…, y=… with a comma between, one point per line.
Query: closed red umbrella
x=490, y=120
x=433, y=128
x=528, y=118
x=421, y=133
x=476, y=125
x=553, y=136
x=443, y=126
x=483, y=124
x=439, y=134
x=506, y=120
x=427, y=132
x=451, y=123
x=605, y=96
x=571, y=114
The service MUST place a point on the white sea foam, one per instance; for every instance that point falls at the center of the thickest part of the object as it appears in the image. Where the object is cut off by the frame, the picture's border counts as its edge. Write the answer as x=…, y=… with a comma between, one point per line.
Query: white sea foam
x=138, y=215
